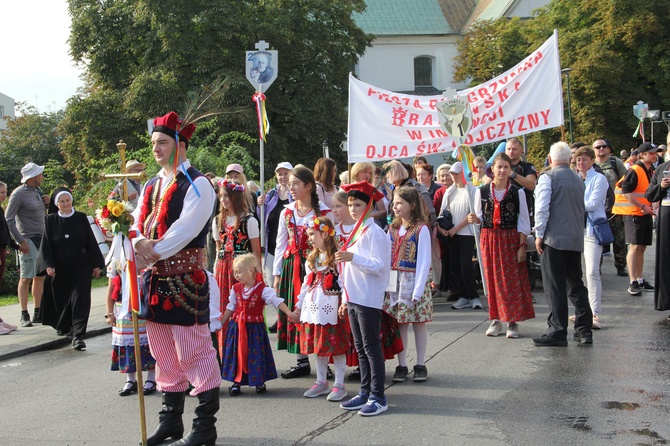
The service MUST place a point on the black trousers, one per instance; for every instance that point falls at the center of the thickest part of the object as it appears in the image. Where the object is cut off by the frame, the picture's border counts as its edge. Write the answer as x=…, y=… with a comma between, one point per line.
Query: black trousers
x=461, y=248
x=562, y=280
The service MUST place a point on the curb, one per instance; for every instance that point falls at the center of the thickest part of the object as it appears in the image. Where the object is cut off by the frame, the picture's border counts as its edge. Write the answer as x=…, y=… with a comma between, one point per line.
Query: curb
x=51, y=345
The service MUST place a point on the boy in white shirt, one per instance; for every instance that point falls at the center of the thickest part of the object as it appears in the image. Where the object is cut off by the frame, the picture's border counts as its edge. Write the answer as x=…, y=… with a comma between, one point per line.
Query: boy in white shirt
x=365, y=265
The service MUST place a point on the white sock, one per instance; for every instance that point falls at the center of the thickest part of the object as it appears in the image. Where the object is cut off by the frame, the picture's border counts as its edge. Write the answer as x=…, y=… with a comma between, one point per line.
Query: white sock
x=131, y=377
x=340, y=363
x=404, y=335
x=421, y=341
x=321, y=368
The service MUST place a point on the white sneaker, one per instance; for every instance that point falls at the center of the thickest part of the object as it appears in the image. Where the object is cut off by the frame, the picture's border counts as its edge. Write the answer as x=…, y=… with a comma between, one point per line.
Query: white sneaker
x=494, y=329
x=461, y=303
x=513, y=330
x=317, y=389
x=476, y=303
x=596, y=323
x=337, y=394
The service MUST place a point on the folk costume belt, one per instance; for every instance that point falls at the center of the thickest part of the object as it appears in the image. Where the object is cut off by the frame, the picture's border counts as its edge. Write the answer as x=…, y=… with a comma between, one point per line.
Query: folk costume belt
x=185, y=261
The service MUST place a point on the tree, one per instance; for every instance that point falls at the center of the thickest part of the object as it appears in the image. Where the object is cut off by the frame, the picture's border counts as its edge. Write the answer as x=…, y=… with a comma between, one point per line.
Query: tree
x=618, y=54
x=147, y=57
x=30, y=137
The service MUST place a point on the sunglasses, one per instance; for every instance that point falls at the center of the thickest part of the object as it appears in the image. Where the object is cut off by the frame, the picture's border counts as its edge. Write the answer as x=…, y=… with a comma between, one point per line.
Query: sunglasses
x=600, y=147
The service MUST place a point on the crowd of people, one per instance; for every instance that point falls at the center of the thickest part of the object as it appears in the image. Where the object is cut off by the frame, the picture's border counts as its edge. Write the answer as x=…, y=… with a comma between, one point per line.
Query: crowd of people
x=348, y=268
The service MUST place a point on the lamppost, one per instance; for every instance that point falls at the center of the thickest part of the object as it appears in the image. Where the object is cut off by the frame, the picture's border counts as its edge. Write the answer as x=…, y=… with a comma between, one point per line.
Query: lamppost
x=567, y=71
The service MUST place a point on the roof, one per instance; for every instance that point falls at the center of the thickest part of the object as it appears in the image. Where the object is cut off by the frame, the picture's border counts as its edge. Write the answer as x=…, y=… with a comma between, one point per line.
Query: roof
x=491, y=9
x=404, y=17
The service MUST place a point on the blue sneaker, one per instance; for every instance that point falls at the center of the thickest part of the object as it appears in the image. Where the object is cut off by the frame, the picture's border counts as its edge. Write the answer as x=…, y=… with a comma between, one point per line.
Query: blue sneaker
x=374, y=406
x=356, y=402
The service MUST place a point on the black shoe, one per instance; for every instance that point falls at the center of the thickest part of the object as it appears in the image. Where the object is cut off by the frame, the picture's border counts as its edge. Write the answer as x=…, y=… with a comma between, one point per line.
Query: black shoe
x=273, y=328
x=329, y=374
x=128, y=390
x=355, y=375
x=25, y=319
x=646, y=286
x=234, y=390
x=548, y=341
x=420, y=373
x=37, y=316
x=78, y=344
x=151, y=389
x=170, y=424
x=297, y=371
x=621, y=271
x=583, y=338
x=400, y=374
x=261, y=389
x=634, y=289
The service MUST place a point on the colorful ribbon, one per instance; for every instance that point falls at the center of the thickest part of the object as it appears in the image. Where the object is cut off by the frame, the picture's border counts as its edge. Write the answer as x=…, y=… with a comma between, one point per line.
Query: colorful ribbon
x=261, y=115
x=122, y=251
x=466, y=156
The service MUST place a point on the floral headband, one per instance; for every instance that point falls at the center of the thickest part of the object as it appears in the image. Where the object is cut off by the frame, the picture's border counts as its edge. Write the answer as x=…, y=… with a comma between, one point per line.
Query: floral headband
x=232, y=185
x=316, y=224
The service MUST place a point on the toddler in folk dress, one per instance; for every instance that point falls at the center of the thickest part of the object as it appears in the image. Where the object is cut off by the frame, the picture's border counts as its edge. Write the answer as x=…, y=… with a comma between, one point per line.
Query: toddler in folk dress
x=248, y=356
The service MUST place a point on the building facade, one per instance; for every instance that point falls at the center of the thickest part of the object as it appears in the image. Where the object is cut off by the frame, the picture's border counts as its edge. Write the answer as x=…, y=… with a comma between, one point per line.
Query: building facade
x=6, y=110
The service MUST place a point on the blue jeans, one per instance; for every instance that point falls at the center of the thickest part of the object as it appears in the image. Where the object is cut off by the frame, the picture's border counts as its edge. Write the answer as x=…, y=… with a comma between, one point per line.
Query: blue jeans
x=366, y=328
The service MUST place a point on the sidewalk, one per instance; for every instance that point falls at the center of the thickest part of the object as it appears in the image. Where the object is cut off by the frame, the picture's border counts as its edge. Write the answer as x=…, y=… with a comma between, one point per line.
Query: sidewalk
x=43, y=337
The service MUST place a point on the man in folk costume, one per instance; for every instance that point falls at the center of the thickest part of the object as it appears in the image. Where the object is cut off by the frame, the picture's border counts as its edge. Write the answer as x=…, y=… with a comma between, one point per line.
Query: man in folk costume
x=174, y=287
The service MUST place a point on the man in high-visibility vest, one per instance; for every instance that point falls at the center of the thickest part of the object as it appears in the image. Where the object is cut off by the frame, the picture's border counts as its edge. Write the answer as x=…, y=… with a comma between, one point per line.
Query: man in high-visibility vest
x=637, y=211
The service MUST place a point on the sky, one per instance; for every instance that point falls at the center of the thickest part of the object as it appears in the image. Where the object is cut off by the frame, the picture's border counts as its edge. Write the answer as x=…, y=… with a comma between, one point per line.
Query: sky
x=36, y=66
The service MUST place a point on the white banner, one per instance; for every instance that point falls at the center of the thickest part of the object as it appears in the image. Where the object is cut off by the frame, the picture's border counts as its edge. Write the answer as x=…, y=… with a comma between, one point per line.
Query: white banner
x=527, y=98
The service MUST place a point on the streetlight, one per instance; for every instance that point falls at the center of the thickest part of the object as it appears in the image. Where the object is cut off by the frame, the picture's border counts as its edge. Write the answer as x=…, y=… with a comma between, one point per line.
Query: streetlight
x=567, y=71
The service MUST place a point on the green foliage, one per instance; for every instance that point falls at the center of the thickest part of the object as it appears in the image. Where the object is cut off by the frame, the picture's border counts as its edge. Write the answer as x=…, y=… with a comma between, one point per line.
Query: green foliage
x=618, y=53
x=10, y=280
x=147, y=57
x=31, y=136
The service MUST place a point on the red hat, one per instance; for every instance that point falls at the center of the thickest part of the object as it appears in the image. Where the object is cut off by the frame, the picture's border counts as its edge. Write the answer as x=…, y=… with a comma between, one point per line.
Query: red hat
x=363, y=191
x=169, y=123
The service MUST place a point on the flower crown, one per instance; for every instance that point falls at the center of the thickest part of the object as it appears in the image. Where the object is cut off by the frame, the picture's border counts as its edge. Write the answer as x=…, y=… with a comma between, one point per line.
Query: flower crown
x=316, y=224
x=232, y=185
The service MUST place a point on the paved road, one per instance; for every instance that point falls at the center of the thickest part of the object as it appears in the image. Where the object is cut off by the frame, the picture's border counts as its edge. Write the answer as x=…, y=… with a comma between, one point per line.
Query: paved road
x=480, y=391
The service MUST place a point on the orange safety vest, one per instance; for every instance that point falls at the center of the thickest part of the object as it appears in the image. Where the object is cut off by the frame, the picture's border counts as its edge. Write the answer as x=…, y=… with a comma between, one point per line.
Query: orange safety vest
x=625, y=207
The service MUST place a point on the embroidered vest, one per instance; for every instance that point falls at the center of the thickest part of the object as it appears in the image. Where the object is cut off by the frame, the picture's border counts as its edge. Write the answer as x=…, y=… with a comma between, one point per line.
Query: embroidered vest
x=509, y=208
x=297, y=235
x=251, y=309
x=236, y=241
x=328, y=280
x=175, y=203
x=404, y=248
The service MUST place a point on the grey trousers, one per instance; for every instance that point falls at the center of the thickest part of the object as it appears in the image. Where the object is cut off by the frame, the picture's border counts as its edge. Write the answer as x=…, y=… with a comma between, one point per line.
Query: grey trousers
x=366, y=328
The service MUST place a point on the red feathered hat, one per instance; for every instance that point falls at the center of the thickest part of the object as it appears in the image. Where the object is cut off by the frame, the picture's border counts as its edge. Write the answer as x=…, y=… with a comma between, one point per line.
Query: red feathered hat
x=170, y=123
x=363, y=191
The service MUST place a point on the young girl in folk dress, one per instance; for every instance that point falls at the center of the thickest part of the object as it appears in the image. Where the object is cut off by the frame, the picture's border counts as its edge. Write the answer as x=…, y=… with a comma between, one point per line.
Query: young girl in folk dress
x=123, y=345
x=236, y=232
x=323, y=332
x=290, y=254
x=501, y=208
x=410, y=257
x=248, y=355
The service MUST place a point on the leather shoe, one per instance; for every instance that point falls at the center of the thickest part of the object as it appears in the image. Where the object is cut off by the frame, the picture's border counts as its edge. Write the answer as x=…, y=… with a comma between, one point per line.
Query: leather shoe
x=151, y=389
x=583, y=338
x=273, y=328
x=297, y=371
x=549, y=341
x=621, y=271
x=78, y=344
x=129, y=390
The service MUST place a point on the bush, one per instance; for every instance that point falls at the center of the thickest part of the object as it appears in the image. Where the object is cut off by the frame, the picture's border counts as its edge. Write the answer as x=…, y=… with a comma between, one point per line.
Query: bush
x=10, y=280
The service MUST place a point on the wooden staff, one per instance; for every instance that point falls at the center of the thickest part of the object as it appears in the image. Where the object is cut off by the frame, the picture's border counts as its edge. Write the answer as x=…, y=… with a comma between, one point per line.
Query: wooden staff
x=136, y=333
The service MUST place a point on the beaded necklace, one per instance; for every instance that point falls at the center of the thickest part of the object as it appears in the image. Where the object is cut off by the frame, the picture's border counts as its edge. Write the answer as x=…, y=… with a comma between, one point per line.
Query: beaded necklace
x=158, y=203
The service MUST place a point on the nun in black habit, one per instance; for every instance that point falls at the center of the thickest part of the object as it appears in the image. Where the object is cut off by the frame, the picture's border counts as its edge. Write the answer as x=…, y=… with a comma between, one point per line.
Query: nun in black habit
x=71, y=257
x=658, y=191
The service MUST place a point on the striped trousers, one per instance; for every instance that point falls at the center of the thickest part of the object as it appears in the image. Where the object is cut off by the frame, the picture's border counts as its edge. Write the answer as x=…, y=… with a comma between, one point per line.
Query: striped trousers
x=183, y=354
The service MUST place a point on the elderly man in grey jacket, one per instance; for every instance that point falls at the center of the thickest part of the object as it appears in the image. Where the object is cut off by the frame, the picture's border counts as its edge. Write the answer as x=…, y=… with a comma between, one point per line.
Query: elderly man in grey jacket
x=559, y=231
